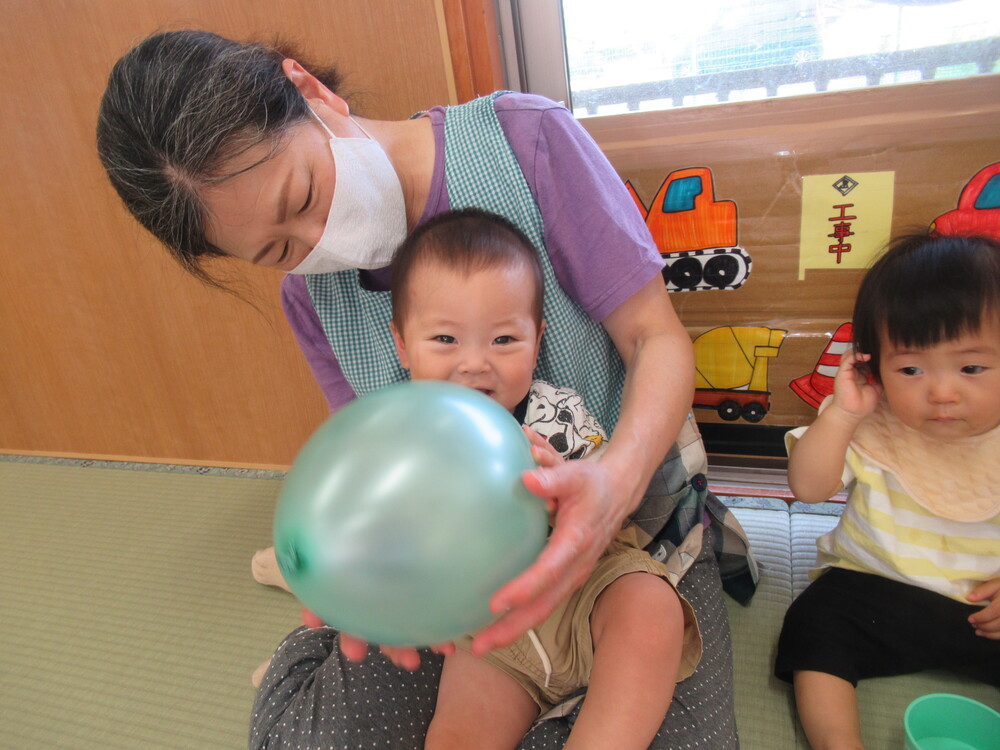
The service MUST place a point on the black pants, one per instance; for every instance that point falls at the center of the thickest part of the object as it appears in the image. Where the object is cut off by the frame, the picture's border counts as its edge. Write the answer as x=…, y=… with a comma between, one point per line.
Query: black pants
x=858, y=625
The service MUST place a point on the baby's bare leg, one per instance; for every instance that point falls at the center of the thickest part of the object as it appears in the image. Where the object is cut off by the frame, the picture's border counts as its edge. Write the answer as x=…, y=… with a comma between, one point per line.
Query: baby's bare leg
x=264, y=566
x=637, y=626
x=478, y=706
x=828, y=710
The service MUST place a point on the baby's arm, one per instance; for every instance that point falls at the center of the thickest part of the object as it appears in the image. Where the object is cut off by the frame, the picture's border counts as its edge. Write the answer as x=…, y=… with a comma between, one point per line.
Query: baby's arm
x=987, y=621
x=816, y=462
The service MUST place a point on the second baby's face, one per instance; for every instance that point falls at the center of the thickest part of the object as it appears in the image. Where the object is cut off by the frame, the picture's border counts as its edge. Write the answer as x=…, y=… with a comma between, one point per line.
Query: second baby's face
x=948, y=390
x=476, y=330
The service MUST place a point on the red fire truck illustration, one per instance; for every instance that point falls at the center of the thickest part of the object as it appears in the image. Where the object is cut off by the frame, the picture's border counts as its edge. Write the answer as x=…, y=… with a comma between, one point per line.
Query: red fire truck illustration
x=978, y=211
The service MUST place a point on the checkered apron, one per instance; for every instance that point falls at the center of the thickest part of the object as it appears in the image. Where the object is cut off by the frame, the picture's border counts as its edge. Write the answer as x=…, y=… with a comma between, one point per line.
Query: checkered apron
x=481, y=171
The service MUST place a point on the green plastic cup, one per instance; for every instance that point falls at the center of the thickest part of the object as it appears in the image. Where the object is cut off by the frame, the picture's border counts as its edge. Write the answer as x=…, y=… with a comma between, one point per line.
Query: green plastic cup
x=942, y=721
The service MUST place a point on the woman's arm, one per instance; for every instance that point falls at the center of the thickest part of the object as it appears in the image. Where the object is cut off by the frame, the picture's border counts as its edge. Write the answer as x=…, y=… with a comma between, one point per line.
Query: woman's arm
x=305, y=324
x=659, y=387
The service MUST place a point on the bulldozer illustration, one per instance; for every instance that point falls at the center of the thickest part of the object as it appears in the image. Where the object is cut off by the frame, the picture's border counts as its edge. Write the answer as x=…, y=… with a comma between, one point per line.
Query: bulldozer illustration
x=731, y=370
x=695, y=233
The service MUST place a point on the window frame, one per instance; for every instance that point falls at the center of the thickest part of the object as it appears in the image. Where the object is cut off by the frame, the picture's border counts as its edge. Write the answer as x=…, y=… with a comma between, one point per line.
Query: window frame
x=876, y=118
x=534, y=55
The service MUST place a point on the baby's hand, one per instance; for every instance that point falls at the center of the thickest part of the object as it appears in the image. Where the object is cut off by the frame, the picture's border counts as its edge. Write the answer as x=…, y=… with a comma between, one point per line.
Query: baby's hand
x=541, y=450
x=854, y=389
x=545, y=455
x=987, y=620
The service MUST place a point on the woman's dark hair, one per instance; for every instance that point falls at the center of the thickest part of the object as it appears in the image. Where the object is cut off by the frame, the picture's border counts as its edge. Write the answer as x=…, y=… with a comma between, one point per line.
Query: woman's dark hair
x=927, y=289
x=465, y=241
x=177, y=109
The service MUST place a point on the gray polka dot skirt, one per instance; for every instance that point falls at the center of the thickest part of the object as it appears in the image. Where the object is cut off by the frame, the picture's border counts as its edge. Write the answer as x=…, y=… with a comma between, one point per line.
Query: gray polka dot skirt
x=312, y=698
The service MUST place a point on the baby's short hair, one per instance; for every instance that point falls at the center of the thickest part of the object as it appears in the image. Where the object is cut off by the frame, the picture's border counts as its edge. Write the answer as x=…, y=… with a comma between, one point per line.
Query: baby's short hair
x=464, y=240
x=926, y=289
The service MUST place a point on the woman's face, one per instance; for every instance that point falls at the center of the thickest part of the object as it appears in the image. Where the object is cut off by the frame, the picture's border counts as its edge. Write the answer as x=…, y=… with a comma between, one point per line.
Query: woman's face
x=274, y=213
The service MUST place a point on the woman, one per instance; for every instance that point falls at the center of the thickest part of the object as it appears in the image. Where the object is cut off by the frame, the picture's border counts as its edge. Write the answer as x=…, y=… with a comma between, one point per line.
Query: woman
x=225, y=149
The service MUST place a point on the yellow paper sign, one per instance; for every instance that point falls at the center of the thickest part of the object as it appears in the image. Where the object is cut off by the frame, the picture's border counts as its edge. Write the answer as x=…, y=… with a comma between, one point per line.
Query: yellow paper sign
x=846, y=219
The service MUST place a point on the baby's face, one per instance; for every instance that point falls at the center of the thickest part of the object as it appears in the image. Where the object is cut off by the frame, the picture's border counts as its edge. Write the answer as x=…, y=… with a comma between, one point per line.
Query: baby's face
x=949, y=390
x=476, y=330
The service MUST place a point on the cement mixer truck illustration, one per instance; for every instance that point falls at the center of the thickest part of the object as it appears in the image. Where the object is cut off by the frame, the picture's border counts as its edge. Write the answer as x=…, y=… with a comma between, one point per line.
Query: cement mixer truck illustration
x=695, y=233
x=731, y=370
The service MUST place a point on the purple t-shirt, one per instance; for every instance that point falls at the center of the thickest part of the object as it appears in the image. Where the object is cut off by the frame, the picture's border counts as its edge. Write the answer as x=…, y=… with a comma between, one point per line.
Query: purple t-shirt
x=600, y=249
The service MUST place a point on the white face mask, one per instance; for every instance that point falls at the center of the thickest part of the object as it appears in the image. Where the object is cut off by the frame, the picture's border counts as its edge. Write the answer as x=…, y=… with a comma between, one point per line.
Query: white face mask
x=367, y=220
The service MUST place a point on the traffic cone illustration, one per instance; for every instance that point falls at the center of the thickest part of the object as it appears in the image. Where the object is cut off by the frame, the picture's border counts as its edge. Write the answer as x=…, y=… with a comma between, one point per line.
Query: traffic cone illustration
x=818, y=384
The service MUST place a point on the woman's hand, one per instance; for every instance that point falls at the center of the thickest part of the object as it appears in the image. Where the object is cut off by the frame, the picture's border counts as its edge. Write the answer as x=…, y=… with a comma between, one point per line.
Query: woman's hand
x=586, y=519
x=353, y=648
x=356, y=649
x=549, y=571
x=403, y=657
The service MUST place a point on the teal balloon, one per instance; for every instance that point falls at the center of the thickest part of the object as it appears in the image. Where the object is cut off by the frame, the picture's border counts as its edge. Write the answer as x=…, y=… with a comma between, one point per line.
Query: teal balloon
x=405, y=512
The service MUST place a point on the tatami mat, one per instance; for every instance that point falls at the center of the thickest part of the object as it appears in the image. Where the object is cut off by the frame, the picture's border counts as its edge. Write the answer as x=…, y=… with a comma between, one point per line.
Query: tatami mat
x=765, y=708
x=130, y=619
x=784, y=540
x=804, y=529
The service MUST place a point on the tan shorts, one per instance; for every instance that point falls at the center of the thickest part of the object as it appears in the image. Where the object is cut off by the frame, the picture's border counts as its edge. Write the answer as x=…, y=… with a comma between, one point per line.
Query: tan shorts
x=565, y=635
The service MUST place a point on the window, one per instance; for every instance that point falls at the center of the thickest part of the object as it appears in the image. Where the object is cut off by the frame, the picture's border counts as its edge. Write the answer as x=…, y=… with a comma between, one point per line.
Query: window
x=616, y=56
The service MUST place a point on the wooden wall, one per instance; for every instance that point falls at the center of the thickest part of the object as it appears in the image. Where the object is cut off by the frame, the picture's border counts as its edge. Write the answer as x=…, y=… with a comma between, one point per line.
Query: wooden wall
x=107, y=349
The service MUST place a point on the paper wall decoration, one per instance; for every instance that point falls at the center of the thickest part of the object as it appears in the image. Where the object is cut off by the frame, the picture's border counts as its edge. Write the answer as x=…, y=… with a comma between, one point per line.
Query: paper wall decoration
x=695, y=233
x=978, y=209
x=814, y=386
x=731, y=370
x=846, y=219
